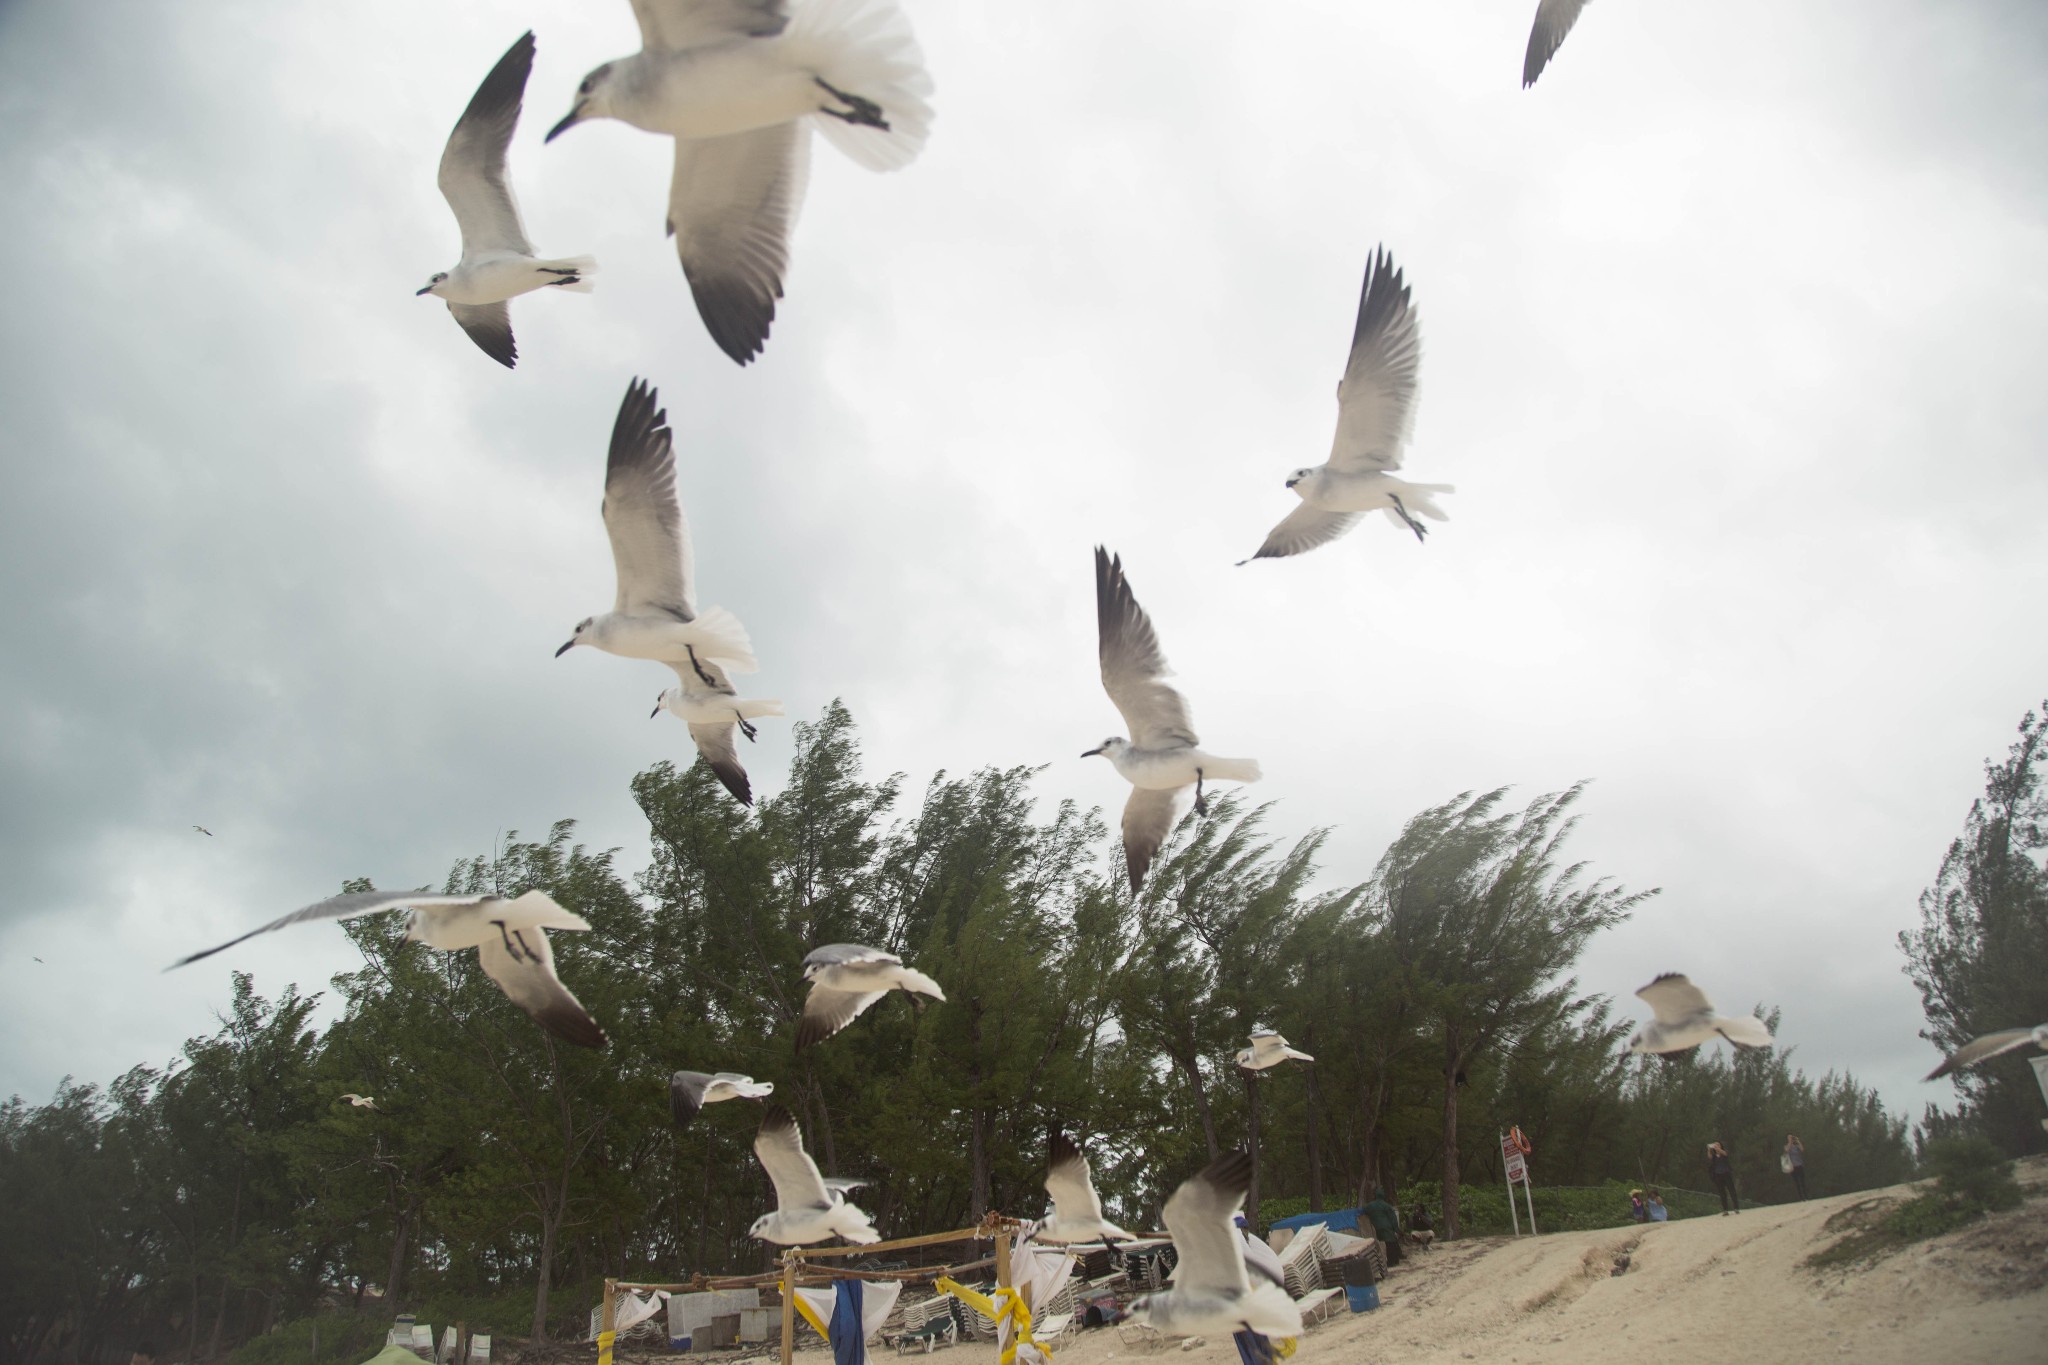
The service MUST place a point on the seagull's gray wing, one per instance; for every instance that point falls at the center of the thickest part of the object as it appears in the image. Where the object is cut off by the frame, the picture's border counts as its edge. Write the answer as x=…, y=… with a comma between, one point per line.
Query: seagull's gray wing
x=731, y=205
x=1376, y=396
x=1200, y=1217
x=781, y=1149
x=686, y=1095
x=1303, y=529
x=676, y=24
x=490, y=326
x=345, y=906
x=529, y=981
x=1068, y=1180
x=1149, y=817
x=472, y=174
x=847, y=955
x=1554, y=19
x=643, y=513
x=1674, y=999
x=827, y=1011
x=718, y=746
x=1983, y=1049
x=1133, y=665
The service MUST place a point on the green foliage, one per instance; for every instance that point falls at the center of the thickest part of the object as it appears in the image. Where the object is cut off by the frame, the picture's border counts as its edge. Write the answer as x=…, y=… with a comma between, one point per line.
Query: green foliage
x=1972, y=1178
x=1983, y=935
x=502, y=1176
x=326, y=1339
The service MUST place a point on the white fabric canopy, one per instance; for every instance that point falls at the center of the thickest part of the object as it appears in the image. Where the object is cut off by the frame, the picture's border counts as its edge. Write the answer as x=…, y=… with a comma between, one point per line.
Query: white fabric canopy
x=877, y=1297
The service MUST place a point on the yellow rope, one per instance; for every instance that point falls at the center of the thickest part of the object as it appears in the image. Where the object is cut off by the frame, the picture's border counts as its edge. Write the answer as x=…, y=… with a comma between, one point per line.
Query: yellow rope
x=1008, y=1305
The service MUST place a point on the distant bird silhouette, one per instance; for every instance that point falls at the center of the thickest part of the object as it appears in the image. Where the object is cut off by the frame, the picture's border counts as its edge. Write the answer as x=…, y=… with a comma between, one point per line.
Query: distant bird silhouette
x=362, y=1101
x=204, y=830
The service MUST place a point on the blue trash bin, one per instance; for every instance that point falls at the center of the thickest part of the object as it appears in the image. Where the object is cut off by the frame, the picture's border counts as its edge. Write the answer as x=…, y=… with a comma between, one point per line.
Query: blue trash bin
x=1362, y=1297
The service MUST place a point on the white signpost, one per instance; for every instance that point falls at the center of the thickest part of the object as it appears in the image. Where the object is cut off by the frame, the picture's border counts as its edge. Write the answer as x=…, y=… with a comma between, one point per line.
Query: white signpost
x=1515, y=1164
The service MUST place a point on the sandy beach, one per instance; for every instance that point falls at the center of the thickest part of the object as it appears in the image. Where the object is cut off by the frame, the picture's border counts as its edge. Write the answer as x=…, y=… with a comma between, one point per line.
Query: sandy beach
x=1733, y=1285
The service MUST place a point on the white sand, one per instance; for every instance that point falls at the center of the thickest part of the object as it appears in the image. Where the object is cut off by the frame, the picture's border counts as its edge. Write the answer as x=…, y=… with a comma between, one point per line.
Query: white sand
x=1722, y=1289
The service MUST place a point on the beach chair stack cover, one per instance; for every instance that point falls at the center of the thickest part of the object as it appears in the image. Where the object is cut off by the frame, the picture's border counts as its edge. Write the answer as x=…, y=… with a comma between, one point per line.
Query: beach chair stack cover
x=1302, y=1262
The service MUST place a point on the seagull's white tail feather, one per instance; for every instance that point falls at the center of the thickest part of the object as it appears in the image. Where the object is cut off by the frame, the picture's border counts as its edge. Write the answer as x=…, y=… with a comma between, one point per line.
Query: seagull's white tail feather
x=750, y=707
x=865, y=48
x=1745, y=1029
x=719, y=636
x=584, y=266
x=1416, y=497
x=537, y=909
x=852, y=1224
x=1270, y=1312
x=1232, y=769
x=917, y=981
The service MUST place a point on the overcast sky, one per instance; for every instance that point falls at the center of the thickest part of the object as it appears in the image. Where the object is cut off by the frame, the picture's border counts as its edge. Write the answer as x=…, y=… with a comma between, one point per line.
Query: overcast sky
x=1733, y=328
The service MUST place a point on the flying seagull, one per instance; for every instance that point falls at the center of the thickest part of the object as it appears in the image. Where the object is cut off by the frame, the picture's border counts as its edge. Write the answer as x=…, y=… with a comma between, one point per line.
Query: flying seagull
x=1685, y=1018
x=362, y=1101
x=847, y=978
x=689, y=1091
x=1554, y=19
x=705, y=700
x=655, y=615
x=204, y=830
x=510, y=938
x=1268, y=1049
x=497, y=261
x=738, y=84
x=1162, y=758
x=808, y=1207
x=1992, y=1045
x=1375, y=414
x=1076, y=1208
x=1213, y=1291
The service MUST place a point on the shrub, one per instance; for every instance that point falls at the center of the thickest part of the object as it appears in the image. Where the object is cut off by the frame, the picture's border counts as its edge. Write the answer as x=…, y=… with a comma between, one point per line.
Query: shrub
x=344, y=1339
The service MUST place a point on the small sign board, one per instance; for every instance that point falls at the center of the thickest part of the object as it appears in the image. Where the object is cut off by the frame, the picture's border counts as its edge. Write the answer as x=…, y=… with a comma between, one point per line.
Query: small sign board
x=1518, y=1169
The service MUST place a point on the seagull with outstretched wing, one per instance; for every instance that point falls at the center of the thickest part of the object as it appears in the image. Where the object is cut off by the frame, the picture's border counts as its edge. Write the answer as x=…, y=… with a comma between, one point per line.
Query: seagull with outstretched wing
x=808, y=1206
x=1375, y=415
x=1163, y=757
x=705, y=700
x=1684, y=1017
x=1076, y=1208
x=510, y=936
x=846, y=979
x=1991, y=1045
x=690, y=1091
x=1554, y=19
x=497, y=262
x=1214, y=1291
x=739, y=85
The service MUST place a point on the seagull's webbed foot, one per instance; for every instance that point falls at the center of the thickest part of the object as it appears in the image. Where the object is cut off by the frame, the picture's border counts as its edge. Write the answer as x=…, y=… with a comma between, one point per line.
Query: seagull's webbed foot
x=570, y=271
x=1201, y=801
x=863, y=112
x=747, y=727
x=698, y=668
x=1421, y=531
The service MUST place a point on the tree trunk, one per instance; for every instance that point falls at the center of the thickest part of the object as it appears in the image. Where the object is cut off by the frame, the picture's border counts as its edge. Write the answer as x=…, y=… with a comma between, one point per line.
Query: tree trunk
x=1452, y=1062
x=1251, y=1197
x=1315, y=1151
x=401, y=1229
x=978, y=1191
x=546, y=1267
x=1193, y=1073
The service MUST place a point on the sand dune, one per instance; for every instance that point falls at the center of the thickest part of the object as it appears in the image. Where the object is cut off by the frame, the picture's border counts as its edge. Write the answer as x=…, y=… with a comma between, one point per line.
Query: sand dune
x=1723, y=1289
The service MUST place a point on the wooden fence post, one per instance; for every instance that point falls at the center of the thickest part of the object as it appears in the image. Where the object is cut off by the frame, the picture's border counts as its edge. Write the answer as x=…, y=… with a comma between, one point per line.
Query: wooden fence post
x=788, y=1306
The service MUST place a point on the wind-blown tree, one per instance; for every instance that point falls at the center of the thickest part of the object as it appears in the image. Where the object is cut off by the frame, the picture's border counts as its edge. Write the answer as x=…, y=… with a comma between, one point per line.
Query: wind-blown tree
x=1479, y=903
x=1983, y=937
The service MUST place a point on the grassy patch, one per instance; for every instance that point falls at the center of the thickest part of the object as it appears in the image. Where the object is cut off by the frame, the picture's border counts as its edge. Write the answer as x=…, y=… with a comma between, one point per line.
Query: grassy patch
x=1971, y=1179
x=342, y=1339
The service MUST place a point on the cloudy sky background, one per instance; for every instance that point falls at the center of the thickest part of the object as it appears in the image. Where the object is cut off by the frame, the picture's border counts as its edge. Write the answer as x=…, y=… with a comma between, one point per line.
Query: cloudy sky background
x=1733, y=342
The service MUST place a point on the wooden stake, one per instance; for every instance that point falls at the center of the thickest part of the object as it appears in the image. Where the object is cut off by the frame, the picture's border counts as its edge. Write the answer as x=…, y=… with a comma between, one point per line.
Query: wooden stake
x=788, y=1307
x=1003, y=1281
x=605, y=1320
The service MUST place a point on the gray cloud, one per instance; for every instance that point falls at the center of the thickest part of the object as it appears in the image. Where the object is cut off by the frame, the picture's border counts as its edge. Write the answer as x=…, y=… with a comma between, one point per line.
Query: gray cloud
x=1730, y=332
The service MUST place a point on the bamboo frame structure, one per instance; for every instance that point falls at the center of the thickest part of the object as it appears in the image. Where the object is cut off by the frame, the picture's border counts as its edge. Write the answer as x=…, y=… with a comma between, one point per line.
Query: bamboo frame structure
x=796, y=1260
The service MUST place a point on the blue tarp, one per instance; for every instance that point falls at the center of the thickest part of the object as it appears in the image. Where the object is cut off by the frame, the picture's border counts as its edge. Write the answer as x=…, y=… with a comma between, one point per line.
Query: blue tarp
x=849, y=1336
x=1340, y=1220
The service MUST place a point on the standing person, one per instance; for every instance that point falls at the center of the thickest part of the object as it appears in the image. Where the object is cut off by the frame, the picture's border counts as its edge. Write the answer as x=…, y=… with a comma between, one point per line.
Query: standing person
x=1794, y=1162
x=1658, y=1213
x=1722, y=1171
x=1386, y=1225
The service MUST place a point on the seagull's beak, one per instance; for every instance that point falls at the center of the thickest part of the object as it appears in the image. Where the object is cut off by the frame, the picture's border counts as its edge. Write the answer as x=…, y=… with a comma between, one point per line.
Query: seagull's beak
x=570, y=120
x=657, y=709
x=1292, y=482
x=565, y=649
x=1092, y=752
x=428, y=290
